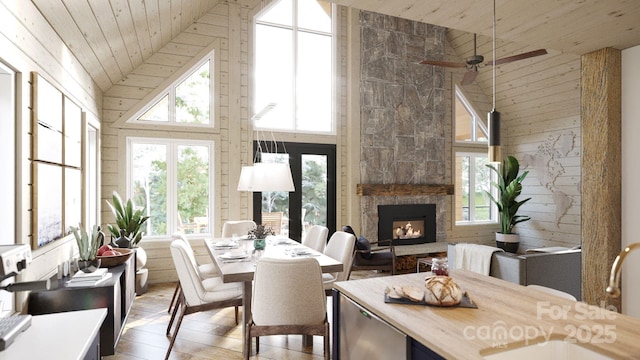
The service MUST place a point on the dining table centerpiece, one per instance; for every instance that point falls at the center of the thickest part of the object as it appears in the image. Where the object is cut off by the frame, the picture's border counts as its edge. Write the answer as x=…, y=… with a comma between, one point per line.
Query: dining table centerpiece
x=259, y=234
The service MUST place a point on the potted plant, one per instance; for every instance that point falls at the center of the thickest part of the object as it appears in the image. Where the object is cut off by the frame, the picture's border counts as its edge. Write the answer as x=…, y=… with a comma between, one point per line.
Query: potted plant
x=128, y=229
x=258, y=234
x=509, y=187
x=88, y=247
x=129, y=222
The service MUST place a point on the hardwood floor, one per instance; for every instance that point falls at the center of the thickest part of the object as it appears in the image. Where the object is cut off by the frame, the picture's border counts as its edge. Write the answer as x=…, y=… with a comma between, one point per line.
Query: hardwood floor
x=205, y=335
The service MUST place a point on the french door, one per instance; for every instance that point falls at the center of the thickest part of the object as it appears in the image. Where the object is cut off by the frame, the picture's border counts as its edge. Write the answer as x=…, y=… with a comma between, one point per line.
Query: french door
x=313, y=167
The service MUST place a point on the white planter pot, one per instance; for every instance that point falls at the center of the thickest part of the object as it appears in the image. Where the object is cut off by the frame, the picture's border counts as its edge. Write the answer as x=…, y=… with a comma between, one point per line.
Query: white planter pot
x=507, y=238
x=508, y=242
x=141, y=258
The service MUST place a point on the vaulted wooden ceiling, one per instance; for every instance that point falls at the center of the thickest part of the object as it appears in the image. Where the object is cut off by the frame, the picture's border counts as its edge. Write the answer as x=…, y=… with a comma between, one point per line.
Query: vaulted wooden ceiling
x=112, y=37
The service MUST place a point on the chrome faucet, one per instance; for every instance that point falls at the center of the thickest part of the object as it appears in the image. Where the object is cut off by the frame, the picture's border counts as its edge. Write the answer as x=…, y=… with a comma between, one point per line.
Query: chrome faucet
x=614, y=279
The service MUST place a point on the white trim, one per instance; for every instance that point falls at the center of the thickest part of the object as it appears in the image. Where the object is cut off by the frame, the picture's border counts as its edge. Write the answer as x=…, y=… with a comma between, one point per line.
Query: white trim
x=172, y=143
x=258, y=11
x=459, y=93
x=212, y=52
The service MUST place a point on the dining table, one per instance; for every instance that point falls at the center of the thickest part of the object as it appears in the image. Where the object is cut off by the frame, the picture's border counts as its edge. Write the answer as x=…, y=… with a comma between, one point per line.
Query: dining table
x=236, y=259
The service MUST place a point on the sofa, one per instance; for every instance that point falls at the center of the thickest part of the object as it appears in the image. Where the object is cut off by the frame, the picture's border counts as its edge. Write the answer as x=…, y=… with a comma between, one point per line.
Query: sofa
x=560, y=270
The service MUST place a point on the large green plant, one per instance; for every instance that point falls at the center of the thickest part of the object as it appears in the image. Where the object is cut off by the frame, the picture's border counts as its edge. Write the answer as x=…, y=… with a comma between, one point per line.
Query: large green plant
x=509, y=188
x=128, y=219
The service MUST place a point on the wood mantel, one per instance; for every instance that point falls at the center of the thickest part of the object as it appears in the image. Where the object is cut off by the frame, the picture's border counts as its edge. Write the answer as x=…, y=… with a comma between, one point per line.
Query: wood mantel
x=403, y=189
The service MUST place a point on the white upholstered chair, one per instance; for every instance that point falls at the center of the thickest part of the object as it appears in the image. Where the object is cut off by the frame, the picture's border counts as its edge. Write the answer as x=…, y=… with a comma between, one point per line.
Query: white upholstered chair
x=197, y=294
x=238, y=227
x=340, y=247
x=316, y=238
x=205, y=271
x=288, y=298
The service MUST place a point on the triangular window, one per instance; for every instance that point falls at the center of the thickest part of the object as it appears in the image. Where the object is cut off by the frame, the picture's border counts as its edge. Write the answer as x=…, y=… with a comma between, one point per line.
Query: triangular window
x=191, y=98
x=468, y=125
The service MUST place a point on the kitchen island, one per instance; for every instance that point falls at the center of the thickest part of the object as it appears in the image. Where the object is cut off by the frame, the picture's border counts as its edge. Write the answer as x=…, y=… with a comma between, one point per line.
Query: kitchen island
x=508, y=316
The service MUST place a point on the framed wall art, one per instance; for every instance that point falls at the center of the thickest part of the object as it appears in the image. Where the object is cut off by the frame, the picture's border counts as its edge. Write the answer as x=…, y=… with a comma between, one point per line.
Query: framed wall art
x=57, y=147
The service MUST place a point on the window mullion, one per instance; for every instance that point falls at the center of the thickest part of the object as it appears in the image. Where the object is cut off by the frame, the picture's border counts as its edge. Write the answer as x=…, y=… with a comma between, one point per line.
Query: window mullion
x=472, y=188
x=294, y=39
x=172, y=192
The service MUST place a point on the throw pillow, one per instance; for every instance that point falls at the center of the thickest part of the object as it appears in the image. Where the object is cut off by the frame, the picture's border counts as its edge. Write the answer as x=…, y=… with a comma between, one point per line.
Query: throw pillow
x=363, y=244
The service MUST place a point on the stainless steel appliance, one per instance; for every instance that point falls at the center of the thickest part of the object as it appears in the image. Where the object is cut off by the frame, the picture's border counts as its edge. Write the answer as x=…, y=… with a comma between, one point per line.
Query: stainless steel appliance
x=365, y=336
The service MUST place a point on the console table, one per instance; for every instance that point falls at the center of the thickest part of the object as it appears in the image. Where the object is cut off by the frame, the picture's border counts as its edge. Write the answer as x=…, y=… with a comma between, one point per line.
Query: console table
x=115, y=294
x=45, y=340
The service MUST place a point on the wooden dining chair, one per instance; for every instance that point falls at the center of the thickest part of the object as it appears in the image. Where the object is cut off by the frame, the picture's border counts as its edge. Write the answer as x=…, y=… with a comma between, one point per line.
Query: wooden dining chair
x=238, y=227
x=288, y=298
x=196, y=294
x=316, y=238
x=340, y=247
x=366, y=257
x=205, y=271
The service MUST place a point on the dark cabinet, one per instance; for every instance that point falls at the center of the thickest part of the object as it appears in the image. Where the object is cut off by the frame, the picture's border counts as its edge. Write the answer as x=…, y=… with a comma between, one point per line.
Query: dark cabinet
x=115, y=294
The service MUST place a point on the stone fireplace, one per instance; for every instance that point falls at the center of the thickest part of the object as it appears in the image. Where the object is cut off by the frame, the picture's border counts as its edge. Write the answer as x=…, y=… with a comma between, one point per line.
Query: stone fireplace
x=402, y=118
x=406, y=224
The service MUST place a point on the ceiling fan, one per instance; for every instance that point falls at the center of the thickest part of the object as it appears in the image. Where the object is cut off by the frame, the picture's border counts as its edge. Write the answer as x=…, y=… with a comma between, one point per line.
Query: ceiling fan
x=476, y=61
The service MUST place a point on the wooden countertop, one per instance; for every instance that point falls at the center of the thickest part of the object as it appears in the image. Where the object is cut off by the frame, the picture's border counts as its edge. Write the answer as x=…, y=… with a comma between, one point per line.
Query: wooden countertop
x=522, y=314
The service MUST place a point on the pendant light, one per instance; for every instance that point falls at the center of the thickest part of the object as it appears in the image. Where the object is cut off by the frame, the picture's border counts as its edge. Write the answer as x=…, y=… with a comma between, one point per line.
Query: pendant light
x=493, y=118
x=265, y=176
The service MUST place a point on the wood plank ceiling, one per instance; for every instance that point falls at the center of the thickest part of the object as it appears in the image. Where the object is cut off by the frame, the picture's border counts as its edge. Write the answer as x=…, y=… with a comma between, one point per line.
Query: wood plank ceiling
x=110, y=38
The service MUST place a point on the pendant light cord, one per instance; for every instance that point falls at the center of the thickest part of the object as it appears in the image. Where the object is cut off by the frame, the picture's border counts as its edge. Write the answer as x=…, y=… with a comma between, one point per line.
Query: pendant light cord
x=494, y=54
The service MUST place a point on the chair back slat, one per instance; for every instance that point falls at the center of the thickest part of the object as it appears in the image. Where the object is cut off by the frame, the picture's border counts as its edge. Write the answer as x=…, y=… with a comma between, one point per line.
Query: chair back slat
x=187, y=270
x=288, y=292
x=340, y=247
x=316, y=238
x=238, y=227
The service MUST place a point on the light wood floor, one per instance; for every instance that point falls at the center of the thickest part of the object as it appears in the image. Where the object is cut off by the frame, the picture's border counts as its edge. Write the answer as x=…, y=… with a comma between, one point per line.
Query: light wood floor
x=206, y=335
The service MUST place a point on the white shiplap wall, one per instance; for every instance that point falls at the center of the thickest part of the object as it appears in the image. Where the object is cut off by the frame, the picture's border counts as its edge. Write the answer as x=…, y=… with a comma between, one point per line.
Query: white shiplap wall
x=29, y=44
x=227, y=24
x=539, y=100
x=223, y=28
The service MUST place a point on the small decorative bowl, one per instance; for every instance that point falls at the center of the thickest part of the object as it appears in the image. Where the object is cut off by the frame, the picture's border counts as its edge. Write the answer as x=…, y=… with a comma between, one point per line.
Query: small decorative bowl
x=115, y=260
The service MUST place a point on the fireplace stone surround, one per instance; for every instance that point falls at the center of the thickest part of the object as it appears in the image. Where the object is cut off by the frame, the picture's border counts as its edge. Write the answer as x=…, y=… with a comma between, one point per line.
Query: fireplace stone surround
x=402, y=115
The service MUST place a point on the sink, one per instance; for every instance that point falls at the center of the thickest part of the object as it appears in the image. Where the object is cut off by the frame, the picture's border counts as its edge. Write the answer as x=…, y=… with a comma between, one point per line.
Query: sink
x=549, y=350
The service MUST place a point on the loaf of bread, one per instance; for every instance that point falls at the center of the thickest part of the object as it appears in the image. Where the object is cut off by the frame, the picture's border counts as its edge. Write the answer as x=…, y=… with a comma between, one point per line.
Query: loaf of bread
x=413, y=293
x=442, y=291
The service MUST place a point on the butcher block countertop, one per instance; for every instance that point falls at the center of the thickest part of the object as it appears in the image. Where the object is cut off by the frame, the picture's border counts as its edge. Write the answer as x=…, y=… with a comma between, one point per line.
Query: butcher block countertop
x=508, y=316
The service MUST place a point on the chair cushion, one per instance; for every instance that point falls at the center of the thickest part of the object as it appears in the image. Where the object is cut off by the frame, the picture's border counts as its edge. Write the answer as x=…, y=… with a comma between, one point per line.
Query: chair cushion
x=363, y=244
x=375, y=259
x=216, y=290
x=207, y=270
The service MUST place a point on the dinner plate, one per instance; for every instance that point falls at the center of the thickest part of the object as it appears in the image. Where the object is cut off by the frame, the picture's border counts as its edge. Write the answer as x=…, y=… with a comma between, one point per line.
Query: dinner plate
x=301, y=251
x=223, y=244
x=229, y=255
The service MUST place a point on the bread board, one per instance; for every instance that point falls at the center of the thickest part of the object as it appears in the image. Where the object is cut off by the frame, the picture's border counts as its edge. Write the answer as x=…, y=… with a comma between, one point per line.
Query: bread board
x=465, y=302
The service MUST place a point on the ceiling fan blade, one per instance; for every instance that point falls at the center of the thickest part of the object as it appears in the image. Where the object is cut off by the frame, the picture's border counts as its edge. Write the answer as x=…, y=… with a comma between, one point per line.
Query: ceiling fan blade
x=522, y=56
x=443, y=63
x=469, y=77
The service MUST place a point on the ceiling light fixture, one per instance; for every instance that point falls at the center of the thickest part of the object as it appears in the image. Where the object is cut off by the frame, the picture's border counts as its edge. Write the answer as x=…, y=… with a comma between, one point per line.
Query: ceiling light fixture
x=495, y=153
x=263, y=176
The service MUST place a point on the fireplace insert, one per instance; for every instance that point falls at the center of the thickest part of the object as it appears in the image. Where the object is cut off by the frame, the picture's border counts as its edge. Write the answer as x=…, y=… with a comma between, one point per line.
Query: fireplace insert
x=406, y=224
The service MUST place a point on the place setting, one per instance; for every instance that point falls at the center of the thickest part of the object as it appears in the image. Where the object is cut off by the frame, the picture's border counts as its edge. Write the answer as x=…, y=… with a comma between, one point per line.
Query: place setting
x=225, y=244
x=301, y=252
x=238, y=255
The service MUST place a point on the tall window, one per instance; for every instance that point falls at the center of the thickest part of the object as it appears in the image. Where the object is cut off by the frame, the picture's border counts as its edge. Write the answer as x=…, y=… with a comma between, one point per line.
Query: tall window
x=472, y=205
x=293, y=66
x=188, y=102
x=172, y=179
